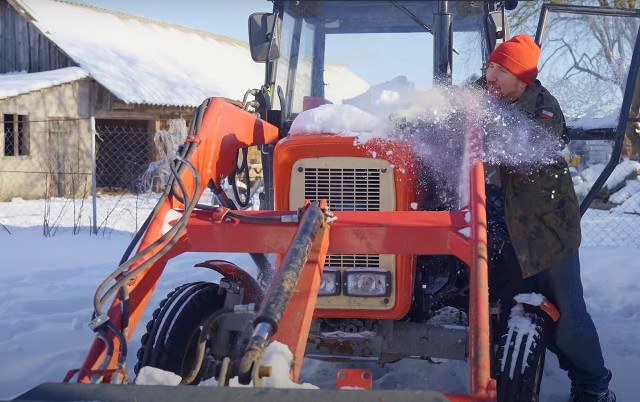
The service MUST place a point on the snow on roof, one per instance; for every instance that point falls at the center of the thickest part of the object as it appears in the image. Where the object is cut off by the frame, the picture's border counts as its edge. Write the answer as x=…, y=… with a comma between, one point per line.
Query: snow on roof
x=20, y=83
x=142, y=61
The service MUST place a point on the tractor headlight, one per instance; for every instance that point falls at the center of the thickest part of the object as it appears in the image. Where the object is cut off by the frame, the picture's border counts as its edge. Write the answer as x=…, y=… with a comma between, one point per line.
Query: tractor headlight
x=330, y=283
x=367, y=283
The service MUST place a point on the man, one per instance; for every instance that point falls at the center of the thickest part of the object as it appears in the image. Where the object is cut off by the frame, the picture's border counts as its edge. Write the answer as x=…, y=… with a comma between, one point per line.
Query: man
x=542, y=224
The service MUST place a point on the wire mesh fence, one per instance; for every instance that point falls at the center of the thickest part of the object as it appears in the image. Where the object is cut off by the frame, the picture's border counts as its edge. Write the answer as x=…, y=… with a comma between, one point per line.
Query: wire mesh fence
x=122, y=156
x=617, y=204
x=46, y=176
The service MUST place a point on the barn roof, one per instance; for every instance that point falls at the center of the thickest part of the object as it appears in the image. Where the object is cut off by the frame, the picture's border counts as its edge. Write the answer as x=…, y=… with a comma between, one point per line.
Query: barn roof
x=142, y=61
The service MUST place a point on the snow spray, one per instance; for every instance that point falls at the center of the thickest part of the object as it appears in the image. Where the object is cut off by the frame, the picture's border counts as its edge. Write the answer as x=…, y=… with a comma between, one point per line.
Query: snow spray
x=436, y=124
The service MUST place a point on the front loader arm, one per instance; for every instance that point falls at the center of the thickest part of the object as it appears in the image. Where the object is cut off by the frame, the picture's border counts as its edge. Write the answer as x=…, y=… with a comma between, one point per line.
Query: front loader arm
x=219, y=131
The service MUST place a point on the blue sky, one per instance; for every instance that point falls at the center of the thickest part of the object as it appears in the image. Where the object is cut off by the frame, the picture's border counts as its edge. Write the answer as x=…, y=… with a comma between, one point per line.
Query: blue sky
x=224, y=17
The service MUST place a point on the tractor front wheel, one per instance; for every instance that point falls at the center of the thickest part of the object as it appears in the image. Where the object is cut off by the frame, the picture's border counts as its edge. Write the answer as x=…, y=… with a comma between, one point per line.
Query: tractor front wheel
x=171, y=340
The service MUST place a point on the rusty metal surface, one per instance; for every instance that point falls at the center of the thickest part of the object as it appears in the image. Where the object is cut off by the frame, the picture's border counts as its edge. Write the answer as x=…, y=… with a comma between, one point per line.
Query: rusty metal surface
x=441, y=341
x=339, y=348
x=396, y=339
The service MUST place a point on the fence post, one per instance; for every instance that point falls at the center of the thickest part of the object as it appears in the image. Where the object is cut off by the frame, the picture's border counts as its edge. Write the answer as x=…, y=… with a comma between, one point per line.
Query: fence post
x=92, y=123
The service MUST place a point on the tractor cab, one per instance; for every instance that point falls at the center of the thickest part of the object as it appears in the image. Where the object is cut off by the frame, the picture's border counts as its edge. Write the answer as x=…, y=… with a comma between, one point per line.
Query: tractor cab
x=350, y=52
x=332, y=51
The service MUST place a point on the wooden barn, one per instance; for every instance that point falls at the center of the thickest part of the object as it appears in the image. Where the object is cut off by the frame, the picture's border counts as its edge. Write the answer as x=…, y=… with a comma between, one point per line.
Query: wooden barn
x=65, y=65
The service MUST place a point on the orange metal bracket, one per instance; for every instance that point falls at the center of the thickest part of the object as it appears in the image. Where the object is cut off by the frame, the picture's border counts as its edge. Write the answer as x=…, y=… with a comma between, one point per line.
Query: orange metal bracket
x=480, y=382
x=354, y=378
x=550, y=309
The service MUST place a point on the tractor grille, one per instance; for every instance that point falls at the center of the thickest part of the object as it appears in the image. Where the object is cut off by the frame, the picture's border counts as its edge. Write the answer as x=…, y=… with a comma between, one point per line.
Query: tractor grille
x=352, y=261
x=345, y=189
x=348, y=184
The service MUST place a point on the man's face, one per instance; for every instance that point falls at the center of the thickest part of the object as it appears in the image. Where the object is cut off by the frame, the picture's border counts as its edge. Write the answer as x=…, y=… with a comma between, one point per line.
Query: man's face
x=503, y=84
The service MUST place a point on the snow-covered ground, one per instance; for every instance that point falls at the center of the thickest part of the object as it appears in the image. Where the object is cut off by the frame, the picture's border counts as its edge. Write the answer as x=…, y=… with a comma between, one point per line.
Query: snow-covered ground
x=47, y=285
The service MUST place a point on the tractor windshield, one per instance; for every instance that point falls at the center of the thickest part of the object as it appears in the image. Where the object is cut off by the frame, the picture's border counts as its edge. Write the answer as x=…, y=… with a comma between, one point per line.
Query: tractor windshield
x=335, y=50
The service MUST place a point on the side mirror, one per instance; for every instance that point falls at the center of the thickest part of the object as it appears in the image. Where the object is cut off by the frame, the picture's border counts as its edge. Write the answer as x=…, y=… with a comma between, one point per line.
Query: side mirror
x=264, y=45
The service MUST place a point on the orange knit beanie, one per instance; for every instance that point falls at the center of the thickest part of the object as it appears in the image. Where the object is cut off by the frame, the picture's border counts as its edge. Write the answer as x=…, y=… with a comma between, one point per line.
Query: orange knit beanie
x=519, y=55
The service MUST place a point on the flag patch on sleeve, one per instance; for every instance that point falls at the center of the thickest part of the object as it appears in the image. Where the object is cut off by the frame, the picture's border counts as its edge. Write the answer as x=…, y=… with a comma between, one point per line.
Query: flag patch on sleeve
x=546, y=114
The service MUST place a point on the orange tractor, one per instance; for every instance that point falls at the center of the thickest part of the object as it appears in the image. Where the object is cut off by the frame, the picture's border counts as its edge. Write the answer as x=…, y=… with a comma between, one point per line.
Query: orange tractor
x=356, y=250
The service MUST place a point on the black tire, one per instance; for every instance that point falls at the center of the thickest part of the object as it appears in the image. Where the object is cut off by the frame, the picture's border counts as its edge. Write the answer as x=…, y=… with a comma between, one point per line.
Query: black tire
x=172, y=333
x=519, y=380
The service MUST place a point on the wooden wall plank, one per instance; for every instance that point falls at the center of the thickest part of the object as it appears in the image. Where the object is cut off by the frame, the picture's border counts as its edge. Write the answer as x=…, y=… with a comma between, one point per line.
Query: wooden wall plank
x=3, y=16
x=43, y=56
x=22, y=44
x=34, y=48
x=8, y=43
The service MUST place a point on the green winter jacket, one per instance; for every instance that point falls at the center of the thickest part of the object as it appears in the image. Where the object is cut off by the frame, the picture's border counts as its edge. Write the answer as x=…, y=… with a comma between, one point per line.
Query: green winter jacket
x=541, y=208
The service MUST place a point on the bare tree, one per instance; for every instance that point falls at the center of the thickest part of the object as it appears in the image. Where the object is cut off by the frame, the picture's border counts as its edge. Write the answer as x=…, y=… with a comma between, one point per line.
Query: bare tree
x=524, y=18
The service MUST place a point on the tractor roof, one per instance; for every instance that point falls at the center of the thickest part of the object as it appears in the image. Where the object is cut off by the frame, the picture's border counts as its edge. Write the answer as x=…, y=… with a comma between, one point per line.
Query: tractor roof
x=362, y=16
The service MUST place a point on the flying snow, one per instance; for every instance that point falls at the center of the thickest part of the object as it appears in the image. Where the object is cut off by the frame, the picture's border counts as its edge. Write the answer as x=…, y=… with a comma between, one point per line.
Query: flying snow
x=435, y=122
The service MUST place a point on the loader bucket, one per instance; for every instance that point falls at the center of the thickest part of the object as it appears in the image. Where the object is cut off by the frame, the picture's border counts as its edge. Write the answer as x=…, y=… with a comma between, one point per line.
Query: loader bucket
x=160, y=393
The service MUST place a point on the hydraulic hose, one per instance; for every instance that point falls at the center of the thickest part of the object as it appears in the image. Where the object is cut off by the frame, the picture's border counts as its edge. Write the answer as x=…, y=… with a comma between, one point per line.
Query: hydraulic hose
x=260, y=259
x=244, y=169
x=123, y=349
x=187, y=151
x=128, y=263
x=173, y=234
x=97, y=378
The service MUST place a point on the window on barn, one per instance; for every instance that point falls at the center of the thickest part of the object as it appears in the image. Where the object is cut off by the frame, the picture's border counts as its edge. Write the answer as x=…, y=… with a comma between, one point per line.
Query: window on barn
x=16, y=135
